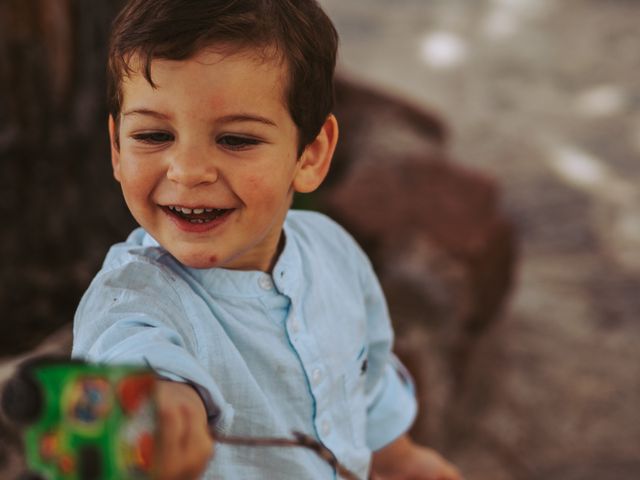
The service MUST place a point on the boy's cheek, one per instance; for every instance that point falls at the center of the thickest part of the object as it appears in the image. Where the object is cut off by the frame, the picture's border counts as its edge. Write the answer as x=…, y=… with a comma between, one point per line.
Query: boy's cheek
x=252, y=182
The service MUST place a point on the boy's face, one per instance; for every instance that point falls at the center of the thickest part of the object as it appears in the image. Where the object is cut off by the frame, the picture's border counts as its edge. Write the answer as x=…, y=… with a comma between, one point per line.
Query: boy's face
x=207, y=160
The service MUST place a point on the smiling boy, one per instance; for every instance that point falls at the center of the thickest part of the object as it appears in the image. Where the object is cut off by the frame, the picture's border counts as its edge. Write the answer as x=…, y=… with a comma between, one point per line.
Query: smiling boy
x=207, y=160
x=262, y=321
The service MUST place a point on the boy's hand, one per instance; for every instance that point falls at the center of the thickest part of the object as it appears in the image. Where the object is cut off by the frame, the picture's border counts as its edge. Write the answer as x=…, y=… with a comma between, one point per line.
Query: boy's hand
x=184, y=446
x=405, y=460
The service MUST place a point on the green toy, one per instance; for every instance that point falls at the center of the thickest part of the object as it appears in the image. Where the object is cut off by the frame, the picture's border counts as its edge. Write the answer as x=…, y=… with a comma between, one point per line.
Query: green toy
x=83, y=421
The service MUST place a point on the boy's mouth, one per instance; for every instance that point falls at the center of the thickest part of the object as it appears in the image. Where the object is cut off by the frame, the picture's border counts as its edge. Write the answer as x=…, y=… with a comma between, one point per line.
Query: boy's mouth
x=197, y=215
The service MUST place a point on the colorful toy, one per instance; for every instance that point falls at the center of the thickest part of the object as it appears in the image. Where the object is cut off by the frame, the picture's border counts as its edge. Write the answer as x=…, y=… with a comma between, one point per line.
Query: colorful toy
x=83, y=421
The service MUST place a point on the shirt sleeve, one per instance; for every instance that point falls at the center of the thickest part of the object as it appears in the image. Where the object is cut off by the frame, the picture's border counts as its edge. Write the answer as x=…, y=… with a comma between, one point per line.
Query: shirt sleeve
x=391, y=402
x=132, y=315
x=392, y=406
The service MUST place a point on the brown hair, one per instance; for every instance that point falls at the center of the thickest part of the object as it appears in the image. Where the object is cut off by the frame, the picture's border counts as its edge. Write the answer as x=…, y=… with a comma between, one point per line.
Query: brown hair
x=299, y=30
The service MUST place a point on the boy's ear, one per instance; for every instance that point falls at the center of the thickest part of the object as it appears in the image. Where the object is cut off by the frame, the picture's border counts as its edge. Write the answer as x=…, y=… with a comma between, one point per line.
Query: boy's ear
x=316, y=158
x=115, y=148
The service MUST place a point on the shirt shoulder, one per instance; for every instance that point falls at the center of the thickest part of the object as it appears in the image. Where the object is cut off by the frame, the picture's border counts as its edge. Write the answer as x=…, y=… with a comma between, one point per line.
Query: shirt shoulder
x=136, y=282
x=137, y=267
x=330, y=254
x=316, y=231
x=139, y=247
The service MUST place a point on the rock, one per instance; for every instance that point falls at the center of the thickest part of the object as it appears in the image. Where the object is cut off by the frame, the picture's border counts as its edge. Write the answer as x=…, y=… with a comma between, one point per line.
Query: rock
x=413, y=213
x=376, y=125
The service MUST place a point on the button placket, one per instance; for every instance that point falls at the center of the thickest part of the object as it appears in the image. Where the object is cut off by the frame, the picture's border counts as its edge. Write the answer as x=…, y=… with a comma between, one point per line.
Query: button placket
x=294, y=325
x=325, y=427
x=316, y=377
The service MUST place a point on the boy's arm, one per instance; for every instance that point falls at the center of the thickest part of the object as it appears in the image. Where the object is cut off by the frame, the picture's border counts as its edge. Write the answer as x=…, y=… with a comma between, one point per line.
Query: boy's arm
x=183, y=446
x=391, y=403
x=121, y=322
x=390, y=396
x=400, y=458
x=405, y=460
x=132, y=315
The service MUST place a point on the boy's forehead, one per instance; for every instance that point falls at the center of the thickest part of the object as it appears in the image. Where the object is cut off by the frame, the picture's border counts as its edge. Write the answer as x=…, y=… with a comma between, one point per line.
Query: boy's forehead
x=138, y=63
x=256, y=66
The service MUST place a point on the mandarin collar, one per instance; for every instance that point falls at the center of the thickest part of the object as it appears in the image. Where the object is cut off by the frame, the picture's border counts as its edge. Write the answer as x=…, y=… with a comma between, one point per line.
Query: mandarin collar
x=284, y=278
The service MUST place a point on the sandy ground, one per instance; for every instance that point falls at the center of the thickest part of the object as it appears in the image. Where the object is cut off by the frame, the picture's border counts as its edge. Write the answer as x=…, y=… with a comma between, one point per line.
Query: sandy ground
x=545, y=96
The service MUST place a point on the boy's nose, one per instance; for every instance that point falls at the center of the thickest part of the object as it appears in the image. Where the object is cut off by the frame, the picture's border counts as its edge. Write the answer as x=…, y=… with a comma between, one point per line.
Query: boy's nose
x=190, y=168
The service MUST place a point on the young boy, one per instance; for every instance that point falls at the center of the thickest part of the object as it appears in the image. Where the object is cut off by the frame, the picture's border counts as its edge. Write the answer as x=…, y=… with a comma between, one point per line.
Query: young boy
x=261, y=320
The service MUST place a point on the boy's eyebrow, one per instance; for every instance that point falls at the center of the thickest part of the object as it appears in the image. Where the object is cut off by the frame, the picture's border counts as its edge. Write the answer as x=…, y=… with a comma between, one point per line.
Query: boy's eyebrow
x=144, y=111
x=248, y=117
x=240, y=117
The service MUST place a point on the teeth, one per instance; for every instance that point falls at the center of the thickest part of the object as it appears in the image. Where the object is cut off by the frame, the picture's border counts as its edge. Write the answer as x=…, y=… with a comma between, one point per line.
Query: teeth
x=196, y=211
x=189, y=211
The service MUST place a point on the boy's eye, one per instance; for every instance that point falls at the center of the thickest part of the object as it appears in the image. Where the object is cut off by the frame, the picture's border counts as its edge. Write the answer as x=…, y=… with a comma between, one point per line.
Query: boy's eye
x=153, y=137
x=236, y=142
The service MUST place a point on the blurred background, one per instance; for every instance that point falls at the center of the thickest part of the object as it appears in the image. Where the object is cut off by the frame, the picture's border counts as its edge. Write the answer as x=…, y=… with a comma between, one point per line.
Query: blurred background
x=489, y=165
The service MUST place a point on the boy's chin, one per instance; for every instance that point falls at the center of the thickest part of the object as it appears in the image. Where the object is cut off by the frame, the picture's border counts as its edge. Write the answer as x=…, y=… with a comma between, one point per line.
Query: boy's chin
x=202, y=263
x=199, y=261
x=200, y=258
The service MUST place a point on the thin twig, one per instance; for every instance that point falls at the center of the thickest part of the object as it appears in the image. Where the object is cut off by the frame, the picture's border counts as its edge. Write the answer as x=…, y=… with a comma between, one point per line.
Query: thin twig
x=299, y=440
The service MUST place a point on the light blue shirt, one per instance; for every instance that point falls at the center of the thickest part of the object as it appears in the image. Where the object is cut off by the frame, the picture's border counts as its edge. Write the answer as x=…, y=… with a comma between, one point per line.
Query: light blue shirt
x=307, y=348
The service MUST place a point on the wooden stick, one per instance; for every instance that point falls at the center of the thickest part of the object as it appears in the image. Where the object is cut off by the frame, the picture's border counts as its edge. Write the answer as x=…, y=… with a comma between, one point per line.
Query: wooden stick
x=298, y=440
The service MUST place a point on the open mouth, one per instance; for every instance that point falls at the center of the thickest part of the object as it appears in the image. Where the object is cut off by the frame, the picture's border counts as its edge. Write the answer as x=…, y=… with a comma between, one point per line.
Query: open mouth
x=198, y=215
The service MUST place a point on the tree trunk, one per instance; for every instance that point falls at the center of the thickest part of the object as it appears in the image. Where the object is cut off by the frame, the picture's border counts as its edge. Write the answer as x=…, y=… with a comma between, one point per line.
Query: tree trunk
x=59, y=210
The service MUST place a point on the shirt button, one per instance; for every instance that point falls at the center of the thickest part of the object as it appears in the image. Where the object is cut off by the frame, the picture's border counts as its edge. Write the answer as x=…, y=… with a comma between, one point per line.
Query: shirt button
x=316, y=376
x=265, y=282
x=325, y=427
x=295, y=326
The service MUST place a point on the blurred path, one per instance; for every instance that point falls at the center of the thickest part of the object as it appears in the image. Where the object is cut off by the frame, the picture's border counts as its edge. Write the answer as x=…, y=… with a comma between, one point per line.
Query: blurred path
x=545, y=96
